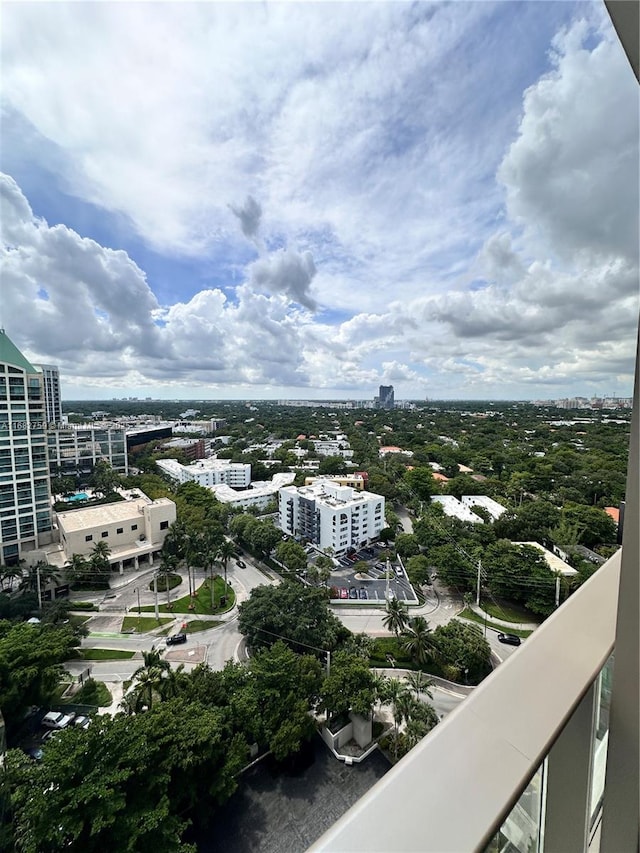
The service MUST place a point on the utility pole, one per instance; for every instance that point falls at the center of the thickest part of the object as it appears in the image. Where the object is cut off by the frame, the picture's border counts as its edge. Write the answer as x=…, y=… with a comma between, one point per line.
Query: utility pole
x=478, y=584
x=387, y=572
x=328, y=663
x=138, y=591
x=557, y=589
x=155, y=591
x=38, y=586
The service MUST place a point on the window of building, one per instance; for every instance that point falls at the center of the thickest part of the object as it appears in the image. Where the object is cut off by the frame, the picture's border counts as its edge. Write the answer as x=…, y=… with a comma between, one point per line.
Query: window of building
x=164, y=525
x=120, y=530
x=134, y=526
x=88, y=538
x=104, y=534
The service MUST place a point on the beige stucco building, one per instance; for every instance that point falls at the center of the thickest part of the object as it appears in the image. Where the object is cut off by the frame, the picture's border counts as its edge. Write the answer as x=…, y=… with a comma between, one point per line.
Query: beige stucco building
x=134, y=530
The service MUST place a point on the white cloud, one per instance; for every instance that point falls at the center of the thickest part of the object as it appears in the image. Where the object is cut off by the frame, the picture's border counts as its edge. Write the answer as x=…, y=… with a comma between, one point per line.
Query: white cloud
x=412, y=222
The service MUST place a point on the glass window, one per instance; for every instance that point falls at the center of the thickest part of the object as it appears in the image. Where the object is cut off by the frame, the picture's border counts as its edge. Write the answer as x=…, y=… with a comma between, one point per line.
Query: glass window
x=601, y=736
x=522, y=830
x=120, y=530
x=104, y=534
x=88, y=538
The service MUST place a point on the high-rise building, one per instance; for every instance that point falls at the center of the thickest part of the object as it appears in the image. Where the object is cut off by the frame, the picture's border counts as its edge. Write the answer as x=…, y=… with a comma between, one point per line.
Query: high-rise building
x=51, y=384
x=25, y=506
x=385, y=400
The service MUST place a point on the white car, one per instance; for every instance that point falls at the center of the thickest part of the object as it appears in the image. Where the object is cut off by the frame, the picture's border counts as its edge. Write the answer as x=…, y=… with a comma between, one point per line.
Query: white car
x=82, y=722
x=57, y=720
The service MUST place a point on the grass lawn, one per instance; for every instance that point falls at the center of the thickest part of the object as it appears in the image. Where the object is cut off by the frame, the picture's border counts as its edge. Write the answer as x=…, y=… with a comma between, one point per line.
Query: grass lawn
x=142, y=624
x=472, y=616
x=201, y=601
x=200, y=625
x=105, y=654
x=172, y=579
x=93, y=692
x=78, y=620
x=509, y=612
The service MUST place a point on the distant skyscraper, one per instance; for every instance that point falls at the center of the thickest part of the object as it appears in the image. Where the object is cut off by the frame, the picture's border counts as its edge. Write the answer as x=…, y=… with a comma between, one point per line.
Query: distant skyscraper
x=51, y=382
x=25, y=506
x=385, y=400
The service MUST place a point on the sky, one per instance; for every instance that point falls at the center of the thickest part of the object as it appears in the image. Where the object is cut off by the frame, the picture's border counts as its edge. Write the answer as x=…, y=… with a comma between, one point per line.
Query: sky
x=308, y=200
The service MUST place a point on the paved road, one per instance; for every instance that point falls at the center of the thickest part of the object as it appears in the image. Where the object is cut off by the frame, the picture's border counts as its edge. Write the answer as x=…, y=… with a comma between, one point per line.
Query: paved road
x=218, y=645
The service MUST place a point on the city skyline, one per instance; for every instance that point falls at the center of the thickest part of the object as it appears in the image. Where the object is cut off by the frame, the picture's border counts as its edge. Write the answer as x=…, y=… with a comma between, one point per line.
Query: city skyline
x=387, y=195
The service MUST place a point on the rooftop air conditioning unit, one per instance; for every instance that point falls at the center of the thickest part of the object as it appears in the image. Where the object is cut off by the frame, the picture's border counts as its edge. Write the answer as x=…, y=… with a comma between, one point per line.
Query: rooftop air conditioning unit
x=142, y=537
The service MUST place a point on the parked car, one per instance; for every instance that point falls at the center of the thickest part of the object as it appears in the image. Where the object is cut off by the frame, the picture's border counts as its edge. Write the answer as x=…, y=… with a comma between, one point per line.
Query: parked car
x=344, y=593
x=509, y=639
x=82, y=722
x=34, y=752
x=57, y=720
x=241, y=564
x=353, y=592
x=398, y=571
x=362, y=593
x=176, y=639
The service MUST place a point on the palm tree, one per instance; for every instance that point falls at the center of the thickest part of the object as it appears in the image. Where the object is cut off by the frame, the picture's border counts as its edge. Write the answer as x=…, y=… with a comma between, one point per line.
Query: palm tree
x=10, y=573
x=400, y=699
x=418, y=640
x=77, y=569
x=420, y=683
x=40, y=573
x=168, y=564
x=397, y=616
x=225, y=552
x=99, y=559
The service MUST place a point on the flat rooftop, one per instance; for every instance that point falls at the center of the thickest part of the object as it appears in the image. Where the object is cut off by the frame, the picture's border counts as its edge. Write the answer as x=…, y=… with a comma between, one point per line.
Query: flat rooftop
x=79, y=519
x=276, y=812
x=555, y=563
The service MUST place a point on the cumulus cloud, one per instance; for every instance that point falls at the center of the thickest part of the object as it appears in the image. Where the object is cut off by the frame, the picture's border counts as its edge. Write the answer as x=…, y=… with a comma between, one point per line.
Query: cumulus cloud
x=481, y=236
x=286, y=272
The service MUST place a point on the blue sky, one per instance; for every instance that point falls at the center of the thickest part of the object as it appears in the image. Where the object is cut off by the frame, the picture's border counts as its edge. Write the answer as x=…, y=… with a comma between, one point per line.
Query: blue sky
x=310, y=200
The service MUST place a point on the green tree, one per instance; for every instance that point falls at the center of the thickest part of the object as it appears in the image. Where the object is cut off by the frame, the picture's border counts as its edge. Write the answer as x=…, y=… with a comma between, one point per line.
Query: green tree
x=350, y=686
x=418, y=640
x=396, y=616
x=418, y=570
x=104, y=479
x=420, y=683
x=407, y=545
x=291, y=555
x=597, y=527
x=30, y=665
x=421, y=482
x=299, y=615
x=462, y=646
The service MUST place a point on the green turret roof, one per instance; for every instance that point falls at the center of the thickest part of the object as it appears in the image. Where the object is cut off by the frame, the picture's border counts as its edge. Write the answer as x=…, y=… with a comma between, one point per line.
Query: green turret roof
x=10, y=354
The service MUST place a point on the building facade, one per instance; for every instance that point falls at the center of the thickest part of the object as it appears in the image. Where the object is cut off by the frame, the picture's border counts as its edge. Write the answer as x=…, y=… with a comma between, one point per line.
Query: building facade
x=134, y=530
x=208, y=472
x=75, y=450
x=330, y=515
x=51, y=388
x=25, y=505
x=385, y=398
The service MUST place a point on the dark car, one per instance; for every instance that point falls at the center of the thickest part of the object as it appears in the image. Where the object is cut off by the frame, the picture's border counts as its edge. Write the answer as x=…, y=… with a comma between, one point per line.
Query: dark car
x=509, y=639
x=241, y=564
x=176, y=639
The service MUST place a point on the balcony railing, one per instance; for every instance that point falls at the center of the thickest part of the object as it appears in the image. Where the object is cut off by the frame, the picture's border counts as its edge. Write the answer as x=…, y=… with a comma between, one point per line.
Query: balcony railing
x=453, y=791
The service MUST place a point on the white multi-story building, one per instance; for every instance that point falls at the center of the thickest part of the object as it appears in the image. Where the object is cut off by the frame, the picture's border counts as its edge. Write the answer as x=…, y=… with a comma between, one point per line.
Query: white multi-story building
x=259, y=495
x=25, y=506
x=333, y=447
x=208, y=472
x=330, y=515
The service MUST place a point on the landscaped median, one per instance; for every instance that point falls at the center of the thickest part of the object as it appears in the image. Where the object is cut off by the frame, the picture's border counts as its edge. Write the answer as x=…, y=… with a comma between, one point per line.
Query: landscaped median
x=472, y=616
x=200, y=603
x=142, y=624
x=105, y=654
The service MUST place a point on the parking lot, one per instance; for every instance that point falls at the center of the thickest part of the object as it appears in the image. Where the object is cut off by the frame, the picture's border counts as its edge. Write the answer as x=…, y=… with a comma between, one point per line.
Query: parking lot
x=352, y=587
